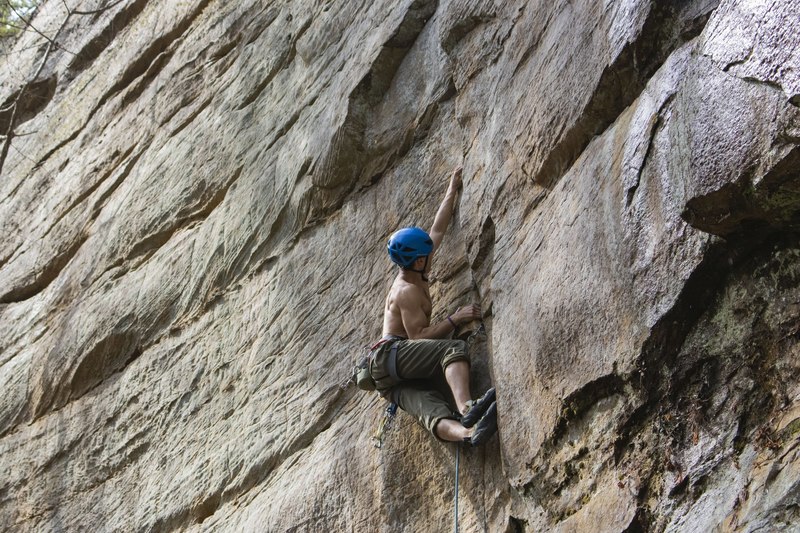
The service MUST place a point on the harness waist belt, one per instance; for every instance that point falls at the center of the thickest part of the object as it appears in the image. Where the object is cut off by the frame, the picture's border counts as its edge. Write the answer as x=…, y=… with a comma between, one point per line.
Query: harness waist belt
x=385, y=339
x=392, y=362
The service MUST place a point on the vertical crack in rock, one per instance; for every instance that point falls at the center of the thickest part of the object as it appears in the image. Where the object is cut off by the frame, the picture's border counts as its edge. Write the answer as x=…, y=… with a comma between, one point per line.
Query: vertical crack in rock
x=663, y=32
x=654, y=129
x=481, y=260
x=485, y=246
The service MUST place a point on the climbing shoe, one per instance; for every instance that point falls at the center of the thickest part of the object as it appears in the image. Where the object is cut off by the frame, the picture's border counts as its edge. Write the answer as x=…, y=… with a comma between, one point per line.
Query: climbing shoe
x=485, y=428
x=477, y=408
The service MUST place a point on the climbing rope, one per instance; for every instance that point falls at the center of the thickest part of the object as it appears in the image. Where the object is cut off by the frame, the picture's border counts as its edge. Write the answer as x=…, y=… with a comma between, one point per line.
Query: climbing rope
x=480, y=332
x=455, y=514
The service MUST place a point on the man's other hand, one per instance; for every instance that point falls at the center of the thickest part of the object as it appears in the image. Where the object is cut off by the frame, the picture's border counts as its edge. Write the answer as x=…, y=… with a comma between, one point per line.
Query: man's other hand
x=467, y=314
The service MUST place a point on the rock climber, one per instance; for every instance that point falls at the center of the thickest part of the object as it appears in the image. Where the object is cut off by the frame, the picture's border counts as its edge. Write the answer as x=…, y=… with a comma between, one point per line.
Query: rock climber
x=413, y=352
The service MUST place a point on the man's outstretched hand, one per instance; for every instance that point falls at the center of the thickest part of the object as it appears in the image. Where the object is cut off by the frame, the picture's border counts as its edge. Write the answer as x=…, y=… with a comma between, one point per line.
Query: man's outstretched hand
x=455, y=178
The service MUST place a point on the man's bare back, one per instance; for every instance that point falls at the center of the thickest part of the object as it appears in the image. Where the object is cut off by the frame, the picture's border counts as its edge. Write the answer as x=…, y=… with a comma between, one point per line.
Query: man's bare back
x=408, y=295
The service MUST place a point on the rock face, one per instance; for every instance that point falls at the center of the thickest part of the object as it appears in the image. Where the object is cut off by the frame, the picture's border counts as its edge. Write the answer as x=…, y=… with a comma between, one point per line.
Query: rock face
x=195, y=198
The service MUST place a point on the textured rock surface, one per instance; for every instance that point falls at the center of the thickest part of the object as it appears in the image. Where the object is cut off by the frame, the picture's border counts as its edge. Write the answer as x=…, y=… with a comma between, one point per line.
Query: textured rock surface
x=195, y=197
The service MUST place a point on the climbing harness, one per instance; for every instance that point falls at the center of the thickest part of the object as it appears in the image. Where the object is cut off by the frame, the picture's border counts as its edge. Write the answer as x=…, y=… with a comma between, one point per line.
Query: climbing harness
x=360, y=373
x=385, y=424
x=361, y=376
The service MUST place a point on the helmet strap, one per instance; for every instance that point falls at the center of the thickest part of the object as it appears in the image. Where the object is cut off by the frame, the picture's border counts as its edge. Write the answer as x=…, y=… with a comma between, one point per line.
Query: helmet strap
x=422, y=272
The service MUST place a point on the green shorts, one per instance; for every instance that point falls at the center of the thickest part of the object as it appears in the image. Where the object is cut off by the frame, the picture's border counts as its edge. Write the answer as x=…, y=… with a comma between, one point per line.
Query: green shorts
x=420, y=364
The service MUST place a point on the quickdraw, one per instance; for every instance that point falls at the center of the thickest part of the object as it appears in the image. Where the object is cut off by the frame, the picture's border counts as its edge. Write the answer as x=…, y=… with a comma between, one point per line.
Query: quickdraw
x=385, y=424
x=479, y=332
x=350, y=379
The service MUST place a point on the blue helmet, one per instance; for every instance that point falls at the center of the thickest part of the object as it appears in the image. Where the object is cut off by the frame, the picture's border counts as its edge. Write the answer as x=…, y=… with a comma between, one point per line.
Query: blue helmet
x=408, y=244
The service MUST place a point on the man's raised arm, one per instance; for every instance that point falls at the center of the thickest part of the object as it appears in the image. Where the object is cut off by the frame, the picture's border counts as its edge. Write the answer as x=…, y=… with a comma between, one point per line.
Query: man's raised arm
x=445, y=212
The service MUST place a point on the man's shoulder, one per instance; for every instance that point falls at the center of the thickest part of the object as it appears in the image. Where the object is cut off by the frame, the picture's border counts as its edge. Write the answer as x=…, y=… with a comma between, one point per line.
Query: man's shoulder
x=407, y=292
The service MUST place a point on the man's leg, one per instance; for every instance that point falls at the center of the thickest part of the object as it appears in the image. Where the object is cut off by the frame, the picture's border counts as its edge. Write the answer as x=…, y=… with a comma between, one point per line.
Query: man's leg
x=435, y=414
x=421, y=359
x=431, y=410
x=452, y=431
x=457, y=376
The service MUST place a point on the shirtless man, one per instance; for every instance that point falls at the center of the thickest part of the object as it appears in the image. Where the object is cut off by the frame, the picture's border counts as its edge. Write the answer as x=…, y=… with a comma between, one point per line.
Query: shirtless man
x=413, y=351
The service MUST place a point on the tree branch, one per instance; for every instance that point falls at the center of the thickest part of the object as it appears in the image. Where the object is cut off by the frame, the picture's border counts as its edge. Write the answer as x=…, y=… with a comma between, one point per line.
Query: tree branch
x=14, y=106
x=98, y=10
x=9, y=134
x=28, y=24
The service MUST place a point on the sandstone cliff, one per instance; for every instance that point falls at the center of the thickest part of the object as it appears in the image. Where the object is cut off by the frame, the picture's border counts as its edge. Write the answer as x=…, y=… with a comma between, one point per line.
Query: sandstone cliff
x=195, y=198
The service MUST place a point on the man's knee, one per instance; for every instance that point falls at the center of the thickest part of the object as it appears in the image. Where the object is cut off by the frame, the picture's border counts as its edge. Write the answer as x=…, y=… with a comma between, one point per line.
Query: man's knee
x=458, y=351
